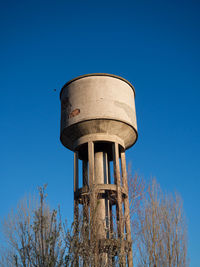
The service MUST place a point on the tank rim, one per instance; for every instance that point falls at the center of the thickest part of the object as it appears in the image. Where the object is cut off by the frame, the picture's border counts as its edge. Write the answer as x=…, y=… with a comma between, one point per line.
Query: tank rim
x=134, y=129
x=97, y=74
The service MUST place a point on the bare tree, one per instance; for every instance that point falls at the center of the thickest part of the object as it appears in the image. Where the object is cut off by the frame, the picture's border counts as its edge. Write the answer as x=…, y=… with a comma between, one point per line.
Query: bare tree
x=161, y=238
x=34, y=235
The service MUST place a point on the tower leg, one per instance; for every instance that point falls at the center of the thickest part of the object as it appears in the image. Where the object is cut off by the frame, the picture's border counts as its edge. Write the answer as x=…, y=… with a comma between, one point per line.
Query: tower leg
x=126, y=208
x=119, y=210
x=76, y=205
x=85, y=230
x=92, y=197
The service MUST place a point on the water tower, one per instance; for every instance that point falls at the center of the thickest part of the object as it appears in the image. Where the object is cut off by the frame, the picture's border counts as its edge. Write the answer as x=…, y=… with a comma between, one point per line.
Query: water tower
x=98, y=123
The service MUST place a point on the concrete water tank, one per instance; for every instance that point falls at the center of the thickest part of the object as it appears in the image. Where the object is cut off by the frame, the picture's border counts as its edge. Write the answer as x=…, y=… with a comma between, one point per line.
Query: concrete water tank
x=98, y=107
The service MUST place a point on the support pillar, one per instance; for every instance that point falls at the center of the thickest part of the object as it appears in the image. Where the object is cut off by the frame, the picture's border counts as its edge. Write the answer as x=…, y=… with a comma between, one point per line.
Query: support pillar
x=76, y=205
x=92, y=201
x=85, y=230
x=126, y=209
x=120, y=222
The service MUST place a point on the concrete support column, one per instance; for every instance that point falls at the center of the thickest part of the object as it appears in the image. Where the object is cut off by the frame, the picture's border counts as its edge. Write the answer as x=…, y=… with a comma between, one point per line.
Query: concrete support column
x=91, y=179
x=85, y=209
x=92, y=201
x=126, y=208
x=107, y=202
x=76, y=185
x=119, y=210
x=76, y=206
x=85, y=184
x=118, y=183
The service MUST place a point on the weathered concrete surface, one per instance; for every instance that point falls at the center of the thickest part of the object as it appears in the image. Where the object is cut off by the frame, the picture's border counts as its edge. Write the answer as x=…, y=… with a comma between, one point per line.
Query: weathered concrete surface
x=98, y=103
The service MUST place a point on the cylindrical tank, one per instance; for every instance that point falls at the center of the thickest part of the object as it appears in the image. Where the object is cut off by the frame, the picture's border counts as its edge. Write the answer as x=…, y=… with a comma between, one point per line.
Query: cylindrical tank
x=98, y=107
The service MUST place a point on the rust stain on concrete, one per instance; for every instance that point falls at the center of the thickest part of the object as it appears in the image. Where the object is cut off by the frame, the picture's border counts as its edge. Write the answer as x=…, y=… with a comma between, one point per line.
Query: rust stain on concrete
x=74, y=113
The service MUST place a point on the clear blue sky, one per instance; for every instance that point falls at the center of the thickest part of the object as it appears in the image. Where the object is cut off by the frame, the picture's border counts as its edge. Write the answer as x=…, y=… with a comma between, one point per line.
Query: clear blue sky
x=153, y=44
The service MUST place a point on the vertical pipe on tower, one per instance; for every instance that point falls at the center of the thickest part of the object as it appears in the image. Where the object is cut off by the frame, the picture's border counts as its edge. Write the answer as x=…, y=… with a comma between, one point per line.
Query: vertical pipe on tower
x=101, y=208
x=100, y=211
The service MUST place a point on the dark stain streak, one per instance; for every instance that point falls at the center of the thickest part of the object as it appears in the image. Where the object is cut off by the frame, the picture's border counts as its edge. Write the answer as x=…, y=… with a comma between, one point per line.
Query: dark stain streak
x=66, y=105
